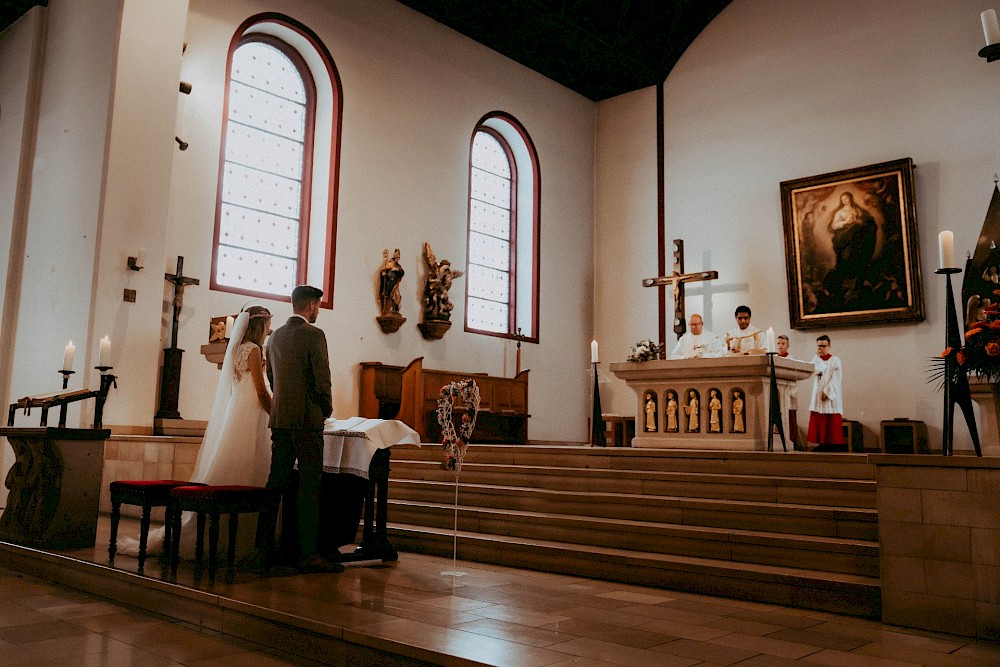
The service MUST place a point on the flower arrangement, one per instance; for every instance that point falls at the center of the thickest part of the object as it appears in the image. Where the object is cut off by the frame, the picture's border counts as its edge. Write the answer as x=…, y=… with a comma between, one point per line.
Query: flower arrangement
x=644, y=350
x=454, y=443
x=981, y=353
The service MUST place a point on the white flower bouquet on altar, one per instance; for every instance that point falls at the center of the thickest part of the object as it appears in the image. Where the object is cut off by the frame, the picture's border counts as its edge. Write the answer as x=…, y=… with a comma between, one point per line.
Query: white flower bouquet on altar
x=644, y=350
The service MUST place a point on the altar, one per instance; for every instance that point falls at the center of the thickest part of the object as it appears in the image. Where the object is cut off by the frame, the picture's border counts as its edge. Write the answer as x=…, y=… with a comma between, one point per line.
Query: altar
x=718, y=403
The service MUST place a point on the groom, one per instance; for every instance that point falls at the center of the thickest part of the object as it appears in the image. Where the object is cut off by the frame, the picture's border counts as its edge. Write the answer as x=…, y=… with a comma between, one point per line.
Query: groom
x=298, y=368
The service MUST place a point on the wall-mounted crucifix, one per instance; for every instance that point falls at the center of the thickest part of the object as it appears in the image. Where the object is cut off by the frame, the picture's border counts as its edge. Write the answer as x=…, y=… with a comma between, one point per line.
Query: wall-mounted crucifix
x=677, y=280
x=170, y=378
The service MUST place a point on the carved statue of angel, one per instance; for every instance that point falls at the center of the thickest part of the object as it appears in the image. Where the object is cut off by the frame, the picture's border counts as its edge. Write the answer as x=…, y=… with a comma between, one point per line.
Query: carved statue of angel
x=440, y=277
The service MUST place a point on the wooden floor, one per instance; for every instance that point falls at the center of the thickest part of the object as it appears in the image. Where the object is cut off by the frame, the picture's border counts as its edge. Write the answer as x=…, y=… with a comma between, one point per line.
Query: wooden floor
x=587, y=524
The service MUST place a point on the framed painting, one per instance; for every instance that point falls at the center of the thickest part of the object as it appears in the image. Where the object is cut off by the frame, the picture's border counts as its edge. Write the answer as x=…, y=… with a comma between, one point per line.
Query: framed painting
x=851, y=247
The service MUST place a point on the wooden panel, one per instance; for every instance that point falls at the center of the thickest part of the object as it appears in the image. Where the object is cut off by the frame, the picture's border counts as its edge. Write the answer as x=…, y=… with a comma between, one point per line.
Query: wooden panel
x=419, y=389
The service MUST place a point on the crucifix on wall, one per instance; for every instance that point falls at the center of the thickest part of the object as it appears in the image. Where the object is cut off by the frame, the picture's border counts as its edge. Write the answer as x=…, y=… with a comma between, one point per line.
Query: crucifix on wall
x=677, y=279
x=170, y=378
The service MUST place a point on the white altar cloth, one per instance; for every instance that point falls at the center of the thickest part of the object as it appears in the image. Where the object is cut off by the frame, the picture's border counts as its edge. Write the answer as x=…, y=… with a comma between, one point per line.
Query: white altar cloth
x=350, y=444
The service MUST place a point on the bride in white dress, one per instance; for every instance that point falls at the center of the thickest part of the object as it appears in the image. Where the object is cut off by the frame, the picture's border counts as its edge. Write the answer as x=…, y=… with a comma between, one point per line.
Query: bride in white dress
x=236, y=449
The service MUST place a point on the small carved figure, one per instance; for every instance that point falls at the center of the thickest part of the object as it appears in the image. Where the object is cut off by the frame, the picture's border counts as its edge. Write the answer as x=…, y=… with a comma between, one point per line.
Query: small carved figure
x=440, y=276
x=739, y=425
x=650, y=413
x=714, y=412
x=671, y=412
x=389, y=277
x=691, y=410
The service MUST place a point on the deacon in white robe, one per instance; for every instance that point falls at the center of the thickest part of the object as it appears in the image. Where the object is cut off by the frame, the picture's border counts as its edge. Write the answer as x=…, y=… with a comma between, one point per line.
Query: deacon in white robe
x=697, y=343
x=745, y=336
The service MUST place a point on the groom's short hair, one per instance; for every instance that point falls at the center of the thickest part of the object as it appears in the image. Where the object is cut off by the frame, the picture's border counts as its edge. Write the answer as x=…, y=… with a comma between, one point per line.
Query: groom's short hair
x=303, y=295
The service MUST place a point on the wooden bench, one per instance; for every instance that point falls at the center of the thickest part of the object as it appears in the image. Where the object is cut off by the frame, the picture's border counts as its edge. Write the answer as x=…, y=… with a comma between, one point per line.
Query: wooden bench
x=410, y=394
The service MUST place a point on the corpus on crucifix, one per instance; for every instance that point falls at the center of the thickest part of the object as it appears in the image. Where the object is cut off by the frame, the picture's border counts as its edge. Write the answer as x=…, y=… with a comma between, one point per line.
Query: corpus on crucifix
x=677, y=279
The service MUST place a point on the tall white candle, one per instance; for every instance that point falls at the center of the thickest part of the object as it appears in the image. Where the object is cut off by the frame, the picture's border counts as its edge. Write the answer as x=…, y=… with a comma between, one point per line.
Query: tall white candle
x=991, y=30
x=772, y=344
x=593, y=351
x=105, y=356
x=229, y=325
x=946, y=249
x=68, y=355
x=140, y=258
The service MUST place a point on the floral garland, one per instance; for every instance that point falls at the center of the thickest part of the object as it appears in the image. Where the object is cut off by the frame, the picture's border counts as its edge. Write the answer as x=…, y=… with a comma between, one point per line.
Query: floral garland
x=644, y=350
x=455, y=443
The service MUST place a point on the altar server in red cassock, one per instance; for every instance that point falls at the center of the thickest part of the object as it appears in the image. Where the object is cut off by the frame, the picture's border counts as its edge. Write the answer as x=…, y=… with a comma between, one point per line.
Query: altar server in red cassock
x=826, y=407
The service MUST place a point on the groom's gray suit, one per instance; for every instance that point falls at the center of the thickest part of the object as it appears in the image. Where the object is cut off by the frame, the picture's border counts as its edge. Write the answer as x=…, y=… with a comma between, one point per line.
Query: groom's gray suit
x=298, y=368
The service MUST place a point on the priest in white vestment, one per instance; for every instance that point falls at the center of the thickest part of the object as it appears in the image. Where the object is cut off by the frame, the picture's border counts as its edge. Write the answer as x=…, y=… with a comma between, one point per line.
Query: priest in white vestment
x=745, y=337
x=697, y=343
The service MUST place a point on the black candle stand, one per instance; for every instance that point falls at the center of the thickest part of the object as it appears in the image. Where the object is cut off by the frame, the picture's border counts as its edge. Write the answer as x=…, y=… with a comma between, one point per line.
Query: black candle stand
x=774, y=419
x=956, y=382
x=598, y=438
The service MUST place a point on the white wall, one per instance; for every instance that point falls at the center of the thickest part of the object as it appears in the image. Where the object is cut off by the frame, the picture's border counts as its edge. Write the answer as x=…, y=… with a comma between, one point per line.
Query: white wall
x=21, y=48
x=413, y=91
x=774, y=90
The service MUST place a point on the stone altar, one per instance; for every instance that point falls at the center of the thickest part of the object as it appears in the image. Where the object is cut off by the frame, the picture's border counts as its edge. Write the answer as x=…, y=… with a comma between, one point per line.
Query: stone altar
x=728, y=408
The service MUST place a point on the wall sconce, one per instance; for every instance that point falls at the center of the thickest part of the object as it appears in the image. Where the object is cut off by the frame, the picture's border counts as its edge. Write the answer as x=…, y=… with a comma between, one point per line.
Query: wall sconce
x=991, y=30
x=138, y=263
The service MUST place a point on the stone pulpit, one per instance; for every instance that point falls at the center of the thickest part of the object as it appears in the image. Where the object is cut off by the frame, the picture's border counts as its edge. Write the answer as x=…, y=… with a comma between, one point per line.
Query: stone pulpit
x=720, y=403
x=55, y=487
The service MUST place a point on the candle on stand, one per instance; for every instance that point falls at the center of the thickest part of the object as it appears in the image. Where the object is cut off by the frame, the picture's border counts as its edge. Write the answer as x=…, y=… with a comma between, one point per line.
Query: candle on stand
x=229, y=325
x=991, y=29
x=105, y=356
x=946, y=249
x=68, y=355
x=593, y=351
x=772, y=344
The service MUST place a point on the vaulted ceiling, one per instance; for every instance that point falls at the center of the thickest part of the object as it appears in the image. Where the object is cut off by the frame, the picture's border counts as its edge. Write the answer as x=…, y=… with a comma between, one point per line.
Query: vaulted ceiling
x=599, y=48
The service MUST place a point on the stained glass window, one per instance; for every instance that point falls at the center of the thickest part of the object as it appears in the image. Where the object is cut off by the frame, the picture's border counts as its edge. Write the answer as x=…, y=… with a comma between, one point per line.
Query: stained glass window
x=261, y=205
x=491, y=235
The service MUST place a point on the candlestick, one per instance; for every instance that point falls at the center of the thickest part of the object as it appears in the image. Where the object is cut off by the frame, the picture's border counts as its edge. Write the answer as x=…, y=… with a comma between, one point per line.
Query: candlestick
x=772, y=345
x=105, y=356
x=991, y=29
x=593, y=351
x=946, y=249
x=68, y=355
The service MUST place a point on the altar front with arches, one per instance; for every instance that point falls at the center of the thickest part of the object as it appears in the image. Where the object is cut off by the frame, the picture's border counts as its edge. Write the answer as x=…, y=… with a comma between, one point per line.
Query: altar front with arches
x=719, y=403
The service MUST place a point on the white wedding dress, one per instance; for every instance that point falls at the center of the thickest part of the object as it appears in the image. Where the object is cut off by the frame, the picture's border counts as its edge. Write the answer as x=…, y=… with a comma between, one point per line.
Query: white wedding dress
x=236, y=450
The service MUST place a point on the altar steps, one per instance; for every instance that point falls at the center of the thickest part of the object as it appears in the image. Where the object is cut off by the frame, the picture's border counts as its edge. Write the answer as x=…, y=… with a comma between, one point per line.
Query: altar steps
x=794, y=529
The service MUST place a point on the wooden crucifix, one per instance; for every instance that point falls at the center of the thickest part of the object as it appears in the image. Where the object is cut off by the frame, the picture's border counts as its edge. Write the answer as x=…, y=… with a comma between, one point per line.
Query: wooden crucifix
x=677, y=279
x=170, y=379
x=180, y=281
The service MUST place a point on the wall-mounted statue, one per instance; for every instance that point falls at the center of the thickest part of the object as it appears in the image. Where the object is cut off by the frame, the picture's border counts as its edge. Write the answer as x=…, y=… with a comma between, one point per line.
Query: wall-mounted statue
x=437, y=306
x=389, y=276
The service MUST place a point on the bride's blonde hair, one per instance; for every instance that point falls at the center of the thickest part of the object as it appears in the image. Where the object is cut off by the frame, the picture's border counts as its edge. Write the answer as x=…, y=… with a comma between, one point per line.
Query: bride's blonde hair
x=257, y=327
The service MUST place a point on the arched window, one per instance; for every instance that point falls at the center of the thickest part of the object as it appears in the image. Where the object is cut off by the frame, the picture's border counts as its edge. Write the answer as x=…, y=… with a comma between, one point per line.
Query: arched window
x=276, y=209
x=502, y=264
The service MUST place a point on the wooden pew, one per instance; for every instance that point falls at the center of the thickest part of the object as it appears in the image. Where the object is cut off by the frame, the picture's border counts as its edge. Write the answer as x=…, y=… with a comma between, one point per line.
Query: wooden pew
x=410, y=395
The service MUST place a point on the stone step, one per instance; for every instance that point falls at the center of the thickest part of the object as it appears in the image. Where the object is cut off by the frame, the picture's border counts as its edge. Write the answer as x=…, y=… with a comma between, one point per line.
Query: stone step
x=790, y=464
x=840, y=522
x=796, y=490
x=796, y=587
x=808, y=552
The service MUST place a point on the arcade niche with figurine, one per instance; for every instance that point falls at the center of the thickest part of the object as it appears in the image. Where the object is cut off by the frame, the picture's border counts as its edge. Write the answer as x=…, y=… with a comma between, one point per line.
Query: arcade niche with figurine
x=719, y=403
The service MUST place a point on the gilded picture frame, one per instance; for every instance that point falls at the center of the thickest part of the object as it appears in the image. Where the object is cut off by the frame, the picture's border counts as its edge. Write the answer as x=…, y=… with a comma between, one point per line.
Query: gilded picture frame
x=851, y=247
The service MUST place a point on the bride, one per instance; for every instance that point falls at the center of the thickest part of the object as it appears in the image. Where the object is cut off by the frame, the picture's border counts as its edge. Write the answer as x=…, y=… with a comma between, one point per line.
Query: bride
x=236, y=448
